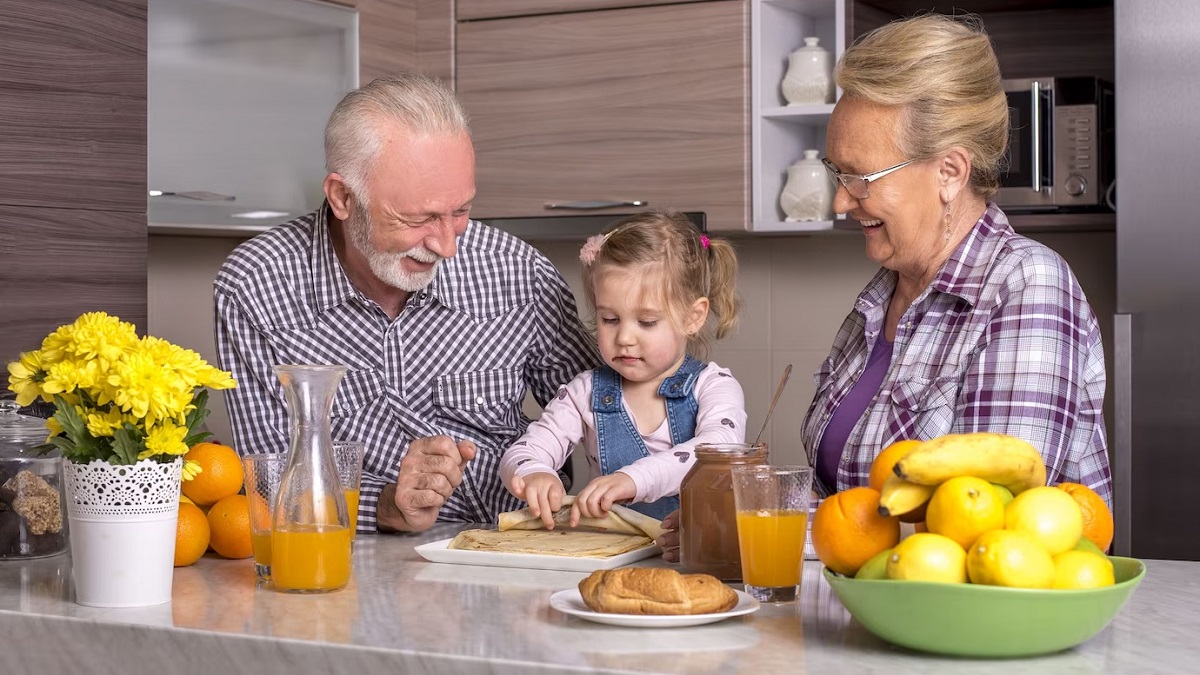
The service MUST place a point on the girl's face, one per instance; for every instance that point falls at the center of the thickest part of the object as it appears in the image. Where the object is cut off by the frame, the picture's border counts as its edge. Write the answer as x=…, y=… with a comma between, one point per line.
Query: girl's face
x=635, y=335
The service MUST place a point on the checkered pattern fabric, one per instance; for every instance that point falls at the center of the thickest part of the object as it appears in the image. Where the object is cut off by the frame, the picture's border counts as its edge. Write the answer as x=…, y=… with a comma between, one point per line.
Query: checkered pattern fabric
x=1003, y=340
x=496, y=320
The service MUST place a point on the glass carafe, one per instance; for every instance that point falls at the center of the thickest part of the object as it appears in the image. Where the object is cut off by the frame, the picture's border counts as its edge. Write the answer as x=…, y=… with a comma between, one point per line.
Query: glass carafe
x=310, y=526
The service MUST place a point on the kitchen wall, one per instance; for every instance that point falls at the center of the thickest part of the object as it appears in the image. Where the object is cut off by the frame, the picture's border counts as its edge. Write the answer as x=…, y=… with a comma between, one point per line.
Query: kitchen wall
x=796, y=292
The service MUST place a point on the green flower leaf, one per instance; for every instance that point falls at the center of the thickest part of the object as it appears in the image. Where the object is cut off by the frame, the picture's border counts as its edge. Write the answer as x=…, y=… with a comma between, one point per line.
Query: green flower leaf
x=128, y=443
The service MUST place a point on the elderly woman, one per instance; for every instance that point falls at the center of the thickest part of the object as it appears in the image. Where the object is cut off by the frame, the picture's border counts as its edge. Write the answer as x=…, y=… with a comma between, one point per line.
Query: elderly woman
x=967, y=326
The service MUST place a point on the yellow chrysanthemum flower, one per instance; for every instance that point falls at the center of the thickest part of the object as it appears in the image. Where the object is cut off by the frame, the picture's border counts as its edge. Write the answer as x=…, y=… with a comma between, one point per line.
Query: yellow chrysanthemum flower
x=25, y=376
x=191, y=469
x=165, y=439
x=144, y=389
x=54, y=428
x=103, y=423
x=93, y=336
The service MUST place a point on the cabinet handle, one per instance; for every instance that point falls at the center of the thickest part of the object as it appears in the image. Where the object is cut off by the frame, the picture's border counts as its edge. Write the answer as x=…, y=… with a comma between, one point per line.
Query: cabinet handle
x=1035, y=160
x=598, y=204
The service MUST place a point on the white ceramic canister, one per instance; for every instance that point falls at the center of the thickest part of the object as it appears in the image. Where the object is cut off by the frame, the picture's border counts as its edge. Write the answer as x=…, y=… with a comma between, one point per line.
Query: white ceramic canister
x=809, y=77
x=808, y=193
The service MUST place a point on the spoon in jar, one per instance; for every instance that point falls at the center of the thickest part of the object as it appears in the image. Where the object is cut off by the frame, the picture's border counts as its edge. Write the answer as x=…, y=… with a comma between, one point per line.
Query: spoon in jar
x=778, y=390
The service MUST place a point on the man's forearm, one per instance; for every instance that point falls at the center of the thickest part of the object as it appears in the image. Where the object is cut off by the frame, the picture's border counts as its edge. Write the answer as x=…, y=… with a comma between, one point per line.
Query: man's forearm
x=388, y=517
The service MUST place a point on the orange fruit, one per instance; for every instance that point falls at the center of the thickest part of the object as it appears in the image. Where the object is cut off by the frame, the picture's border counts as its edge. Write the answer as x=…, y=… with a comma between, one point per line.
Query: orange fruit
x=885, y=462
x=847, y=530
x=1097, y=519
x=229, y=520
x=220, y=476
x=191, y=534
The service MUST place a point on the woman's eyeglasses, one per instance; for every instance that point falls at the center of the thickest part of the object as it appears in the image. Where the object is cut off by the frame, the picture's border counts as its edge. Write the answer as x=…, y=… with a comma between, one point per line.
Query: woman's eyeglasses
x=857, y=185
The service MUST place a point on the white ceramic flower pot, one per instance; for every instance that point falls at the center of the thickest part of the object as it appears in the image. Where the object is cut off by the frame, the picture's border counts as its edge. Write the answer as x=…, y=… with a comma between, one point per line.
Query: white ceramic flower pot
x=122, y=530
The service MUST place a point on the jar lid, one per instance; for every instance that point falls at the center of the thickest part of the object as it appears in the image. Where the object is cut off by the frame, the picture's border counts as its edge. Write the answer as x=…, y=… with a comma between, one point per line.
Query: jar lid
x=19, y=432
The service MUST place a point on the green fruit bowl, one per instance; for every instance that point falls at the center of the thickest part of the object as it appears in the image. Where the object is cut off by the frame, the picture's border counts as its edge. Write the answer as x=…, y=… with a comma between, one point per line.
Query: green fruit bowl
x=984, y=621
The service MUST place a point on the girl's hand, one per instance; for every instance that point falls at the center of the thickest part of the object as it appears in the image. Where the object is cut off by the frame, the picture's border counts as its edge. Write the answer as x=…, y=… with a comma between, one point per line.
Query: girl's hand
x=596, y=498
x=544, y=493
x=668, y=541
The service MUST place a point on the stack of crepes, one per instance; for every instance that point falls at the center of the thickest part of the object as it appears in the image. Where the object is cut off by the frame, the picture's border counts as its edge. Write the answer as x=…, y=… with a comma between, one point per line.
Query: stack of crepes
x=620, y=531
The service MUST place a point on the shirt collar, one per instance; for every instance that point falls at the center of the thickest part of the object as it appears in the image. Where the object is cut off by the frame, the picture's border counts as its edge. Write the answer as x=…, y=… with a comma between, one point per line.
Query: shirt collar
x=332, y=286
x=964, y=272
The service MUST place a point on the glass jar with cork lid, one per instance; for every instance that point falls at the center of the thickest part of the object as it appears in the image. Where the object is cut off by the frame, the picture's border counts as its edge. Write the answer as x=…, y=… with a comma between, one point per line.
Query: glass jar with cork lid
x=708, y=538
x=32, y=522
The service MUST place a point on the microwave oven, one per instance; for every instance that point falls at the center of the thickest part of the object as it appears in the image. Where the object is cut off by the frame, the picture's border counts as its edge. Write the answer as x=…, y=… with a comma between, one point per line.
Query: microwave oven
x=1061, y=145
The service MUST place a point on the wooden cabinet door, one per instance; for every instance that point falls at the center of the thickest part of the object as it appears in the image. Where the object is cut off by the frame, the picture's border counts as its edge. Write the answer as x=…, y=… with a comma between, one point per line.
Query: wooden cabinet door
x=468, y=10
x=644, y=103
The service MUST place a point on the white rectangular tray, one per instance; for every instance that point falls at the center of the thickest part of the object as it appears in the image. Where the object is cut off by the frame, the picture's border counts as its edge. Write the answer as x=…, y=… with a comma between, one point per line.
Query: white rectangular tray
x=437, y=551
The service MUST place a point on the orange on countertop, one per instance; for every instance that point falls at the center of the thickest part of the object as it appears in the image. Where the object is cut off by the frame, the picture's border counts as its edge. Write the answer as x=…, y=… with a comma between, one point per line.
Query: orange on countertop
x=229, y=521
x=220, y=473
x=847, y=530
x=1097, y=519
x=191, y=534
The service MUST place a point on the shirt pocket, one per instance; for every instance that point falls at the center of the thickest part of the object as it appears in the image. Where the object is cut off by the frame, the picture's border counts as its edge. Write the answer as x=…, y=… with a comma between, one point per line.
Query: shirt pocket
x=358, y=390
x=925, y=408
x=487, y=401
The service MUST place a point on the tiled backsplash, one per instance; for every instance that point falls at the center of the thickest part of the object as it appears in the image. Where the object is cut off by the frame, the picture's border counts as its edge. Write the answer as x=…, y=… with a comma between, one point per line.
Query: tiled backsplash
x=795, y=290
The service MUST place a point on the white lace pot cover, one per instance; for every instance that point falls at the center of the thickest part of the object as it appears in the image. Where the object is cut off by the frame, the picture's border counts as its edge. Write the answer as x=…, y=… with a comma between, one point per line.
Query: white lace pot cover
x=122, y=529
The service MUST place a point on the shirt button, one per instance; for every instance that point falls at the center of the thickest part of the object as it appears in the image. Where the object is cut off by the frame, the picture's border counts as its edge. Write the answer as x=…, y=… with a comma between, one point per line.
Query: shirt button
x=480, y=400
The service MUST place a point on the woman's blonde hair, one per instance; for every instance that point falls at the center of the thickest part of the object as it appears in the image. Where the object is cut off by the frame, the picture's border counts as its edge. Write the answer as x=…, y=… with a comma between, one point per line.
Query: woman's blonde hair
x=941, y=71
x=677, y=263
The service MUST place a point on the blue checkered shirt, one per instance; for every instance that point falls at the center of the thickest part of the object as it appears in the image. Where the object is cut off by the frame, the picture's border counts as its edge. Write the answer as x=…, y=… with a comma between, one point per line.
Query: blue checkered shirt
x=497, y=319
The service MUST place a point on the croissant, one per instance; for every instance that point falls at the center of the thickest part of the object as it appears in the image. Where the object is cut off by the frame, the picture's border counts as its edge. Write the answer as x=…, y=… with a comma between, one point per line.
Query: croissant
x=644, y=590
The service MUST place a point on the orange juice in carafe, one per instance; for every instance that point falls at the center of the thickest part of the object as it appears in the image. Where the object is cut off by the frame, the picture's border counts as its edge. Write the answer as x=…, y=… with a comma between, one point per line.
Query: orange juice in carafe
x=310, y=558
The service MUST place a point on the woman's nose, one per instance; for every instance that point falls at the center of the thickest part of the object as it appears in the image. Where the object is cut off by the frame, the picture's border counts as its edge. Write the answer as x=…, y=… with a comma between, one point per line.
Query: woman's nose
x=843, y=201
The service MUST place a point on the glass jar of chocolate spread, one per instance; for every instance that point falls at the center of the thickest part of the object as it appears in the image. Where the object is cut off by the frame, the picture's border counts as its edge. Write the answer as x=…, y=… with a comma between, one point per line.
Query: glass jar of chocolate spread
x=708, y=539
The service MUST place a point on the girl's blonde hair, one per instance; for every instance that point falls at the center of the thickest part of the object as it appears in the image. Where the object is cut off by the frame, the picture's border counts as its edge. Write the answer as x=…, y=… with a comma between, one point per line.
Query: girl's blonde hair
x=677, y=262
x=942, y=72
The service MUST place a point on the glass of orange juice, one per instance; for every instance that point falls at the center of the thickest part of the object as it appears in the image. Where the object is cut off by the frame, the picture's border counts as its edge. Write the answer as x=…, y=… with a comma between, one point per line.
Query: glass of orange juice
x=348, y=456
x=262, y=476
x=772, y=522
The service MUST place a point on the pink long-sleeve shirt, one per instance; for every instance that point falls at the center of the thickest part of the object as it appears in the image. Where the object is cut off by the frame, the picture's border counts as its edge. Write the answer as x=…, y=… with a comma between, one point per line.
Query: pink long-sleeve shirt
x=568, y=419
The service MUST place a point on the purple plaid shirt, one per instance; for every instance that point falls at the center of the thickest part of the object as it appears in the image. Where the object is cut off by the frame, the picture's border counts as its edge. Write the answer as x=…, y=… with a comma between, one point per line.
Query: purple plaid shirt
x=1003, y=340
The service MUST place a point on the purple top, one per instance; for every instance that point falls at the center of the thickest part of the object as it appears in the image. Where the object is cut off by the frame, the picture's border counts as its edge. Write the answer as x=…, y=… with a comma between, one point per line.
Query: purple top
x=848, y=412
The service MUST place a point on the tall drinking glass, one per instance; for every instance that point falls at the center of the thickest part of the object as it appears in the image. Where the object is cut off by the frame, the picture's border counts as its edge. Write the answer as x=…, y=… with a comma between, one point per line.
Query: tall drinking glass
x=348, y=456
x=262, y=477
x=772, y=523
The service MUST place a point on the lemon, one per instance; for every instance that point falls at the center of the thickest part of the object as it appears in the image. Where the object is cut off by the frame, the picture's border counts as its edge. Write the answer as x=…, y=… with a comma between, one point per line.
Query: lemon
x=1008, y=558
x=963, y=508
x=183, y=499
x=1006, y=495
x=925, y=556
x=1082, y=569
x=876, y=567
x=1049, y=515
x=1088, y=545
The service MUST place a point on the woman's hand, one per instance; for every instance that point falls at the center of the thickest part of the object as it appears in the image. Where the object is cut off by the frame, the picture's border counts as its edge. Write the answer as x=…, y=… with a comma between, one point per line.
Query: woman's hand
x=668, y=541
x=544, y=493
x=596, y=498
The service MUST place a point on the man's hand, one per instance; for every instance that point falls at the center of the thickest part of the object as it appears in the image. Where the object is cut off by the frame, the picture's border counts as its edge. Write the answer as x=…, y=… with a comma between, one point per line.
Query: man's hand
x=596, y=498
x=544, y=493
x=668, y=541
x=429, y=473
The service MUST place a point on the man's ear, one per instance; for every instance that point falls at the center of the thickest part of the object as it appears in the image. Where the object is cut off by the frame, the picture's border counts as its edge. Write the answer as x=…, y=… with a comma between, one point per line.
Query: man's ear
x=698, y=316
x=338, y=195
x=954, y=173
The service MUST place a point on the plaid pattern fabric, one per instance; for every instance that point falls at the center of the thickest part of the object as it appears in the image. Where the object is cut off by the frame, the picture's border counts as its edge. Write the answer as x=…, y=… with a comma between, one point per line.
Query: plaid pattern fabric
x=496, y=319
x=1003, y=340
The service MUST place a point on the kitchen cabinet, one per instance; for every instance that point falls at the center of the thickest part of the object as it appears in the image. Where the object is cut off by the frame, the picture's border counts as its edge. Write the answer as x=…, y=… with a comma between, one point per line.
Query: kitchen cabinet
x=404, y=35
x=470, y=10
x=635, y=104
x=72, y=165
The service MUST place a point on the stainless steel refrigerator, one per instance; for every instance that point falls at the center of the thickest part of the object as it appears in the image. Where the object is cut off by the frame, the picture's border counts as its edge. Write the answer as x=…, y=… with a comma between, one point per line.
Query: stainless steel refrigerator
x=1156, y=362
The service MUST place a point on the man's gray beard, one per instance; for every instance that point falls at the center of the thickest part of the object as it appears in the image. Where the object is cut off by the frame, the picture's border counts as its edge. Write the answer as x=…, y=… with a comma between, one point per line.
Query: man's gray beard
x=385, y=265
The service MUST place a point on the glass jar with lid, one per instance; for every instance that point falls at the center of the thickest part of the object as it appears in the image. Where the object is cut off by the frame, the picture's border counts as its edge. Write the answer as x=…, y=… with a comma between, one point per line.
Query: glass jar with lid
x=33, y=520
x=708, y=540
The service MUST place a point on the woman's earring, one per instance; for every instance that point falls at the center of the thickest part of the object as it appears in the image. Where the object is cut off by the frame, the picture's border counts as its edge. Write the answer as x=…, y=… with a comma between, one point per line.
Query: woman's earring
x=947, y=222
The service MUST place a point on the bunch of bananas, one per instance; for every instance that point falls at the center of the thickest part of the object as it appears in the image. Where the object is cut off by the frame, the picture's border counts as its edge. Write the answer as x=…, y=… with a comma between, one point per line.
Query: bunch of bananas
x=996, y=458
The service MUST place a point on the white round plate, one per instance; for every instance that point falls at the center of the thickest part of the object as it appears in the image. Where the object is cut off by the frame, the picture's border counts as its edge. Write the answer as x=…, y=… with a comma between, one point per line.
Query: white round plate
x=571, y=602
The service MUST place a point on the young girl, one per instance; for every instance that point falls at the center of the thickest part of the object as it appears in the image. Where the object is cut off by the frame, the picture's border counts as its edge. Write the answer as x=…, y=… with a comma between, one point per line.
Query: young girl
x=660, y=291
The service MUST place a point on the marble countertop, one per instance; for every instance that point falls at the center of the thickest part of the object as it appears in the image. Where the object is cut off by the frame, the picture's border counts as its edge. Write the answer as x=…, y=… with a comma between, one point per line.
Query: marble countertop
x=403, y=614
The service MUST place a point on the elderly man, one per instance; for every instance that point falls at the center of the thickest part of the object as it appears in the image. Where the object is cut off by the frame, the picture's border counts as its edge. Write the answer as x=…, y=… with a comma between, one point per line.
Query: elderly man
x=443, y=322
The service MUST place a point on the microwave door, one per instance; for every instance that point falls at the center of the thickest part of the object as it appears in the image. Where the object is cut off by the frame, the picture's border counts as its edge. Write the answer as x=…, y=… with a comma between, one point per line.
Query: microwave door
x=1031, y=139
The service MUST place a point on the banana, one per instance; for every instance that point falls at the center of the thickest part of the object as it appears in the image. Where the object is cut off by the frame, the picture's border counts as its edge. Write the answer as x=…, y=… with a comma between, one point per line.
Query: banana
x=899, y=497
x=996, y=458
